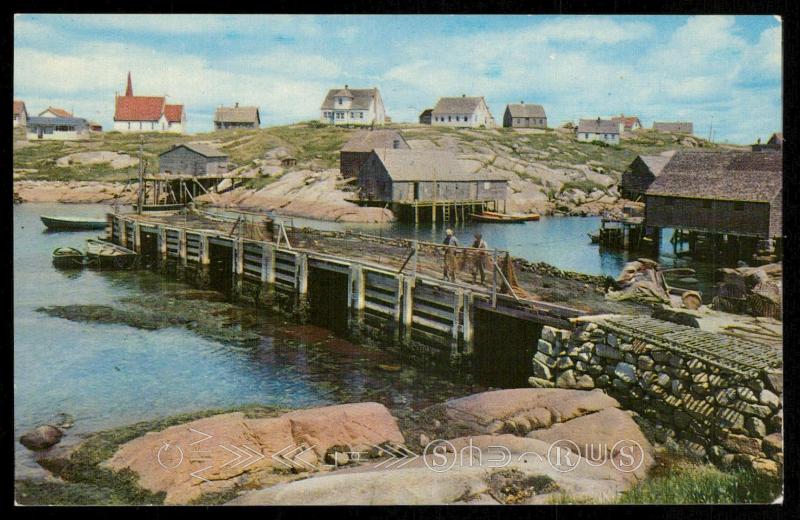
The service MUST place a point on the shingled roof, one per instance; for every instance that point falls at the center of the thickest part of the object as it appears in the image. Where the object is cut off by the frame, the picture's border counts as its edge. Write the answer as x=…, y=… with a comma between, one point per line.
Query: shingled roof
x=523, y=110
x=457, y=105
x=362, y=98
x=637, y=180
x=139, y=108
x=627, y=121
x=598, y=126
x=741, y=176
x=201, y=148
x=429, y=165
x=237, y=114
x=367, y=140
x=675, y=128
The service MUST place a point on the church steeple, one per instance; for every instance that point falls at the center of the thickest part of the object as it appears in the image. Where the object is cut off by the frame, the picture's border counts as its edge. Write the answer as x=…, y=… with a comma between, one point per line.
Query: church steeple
x=129, y=90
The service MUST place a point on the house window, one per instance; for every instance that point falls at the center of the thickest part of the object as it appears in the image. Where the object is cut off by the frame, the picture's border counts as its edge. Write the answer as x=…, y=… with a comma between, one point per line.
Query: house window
x=449, y=118
x=738, y=206
x=129, y=125
x=706, y=203
x=340, y=101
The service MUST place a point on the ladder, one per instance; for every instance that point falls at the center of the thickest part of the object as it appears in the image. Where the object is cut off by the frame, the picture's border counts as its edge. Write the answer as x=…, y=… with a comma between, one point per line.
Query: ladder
x=446, y=212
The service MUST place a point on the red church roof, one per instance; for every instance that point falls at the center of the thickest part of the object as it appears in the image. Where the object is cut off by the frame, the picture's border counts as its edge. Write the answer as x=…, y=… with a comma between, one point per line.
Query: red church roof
x=139, y=108
x=174, y=113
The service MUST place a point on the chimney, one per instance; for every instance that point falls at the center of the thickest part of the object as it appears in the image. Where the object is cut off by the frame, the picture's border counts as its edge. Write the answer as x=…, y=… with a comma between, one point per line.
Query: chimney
x=598, y=120
x=463, y=95
x=237, y=105
x=345, y=87
x=521, y=102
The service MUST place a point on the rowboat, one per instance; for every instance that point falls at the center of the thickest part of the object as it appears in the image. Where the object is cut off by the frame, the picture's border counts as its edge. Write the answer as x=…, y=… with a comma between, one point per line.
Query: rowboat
x=72, y=223
x=68, y=257
x=594, y=237
x=492, y=216
x=106, y=254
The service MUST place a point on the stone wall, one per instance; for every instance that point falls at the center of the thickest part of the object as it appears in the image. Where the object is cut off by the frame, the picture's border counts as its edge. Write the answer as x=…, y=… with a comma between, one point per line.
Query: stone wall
x=706, y=411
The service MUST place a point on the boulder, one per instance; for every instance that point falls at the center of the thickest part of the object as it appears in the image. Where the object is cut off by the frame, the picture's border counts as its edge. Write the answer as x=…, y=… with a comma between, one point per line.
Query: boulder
x=41, y=437
x=237, y=445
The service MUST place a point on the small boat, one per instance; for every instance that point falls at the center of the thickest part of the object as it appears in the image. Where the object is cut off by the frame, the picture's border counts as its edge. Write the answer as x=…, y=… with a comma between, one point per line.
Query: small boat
x=72, y=223
x=107, y=254
x=492, y=216
x=68, y=257
x=594, y=237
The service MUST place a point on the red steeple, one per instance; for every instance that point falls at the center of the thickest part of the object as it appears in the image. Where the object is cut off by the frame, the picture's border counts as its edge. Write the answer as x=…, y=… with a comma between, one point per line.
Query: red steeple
x=129, y=90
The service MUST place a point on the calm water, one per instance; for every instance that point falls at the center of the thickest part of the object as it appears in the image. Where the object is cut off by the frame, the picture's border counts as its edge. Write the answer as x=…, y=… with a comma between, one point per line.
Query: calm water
x=559, y=241
x=109, y=375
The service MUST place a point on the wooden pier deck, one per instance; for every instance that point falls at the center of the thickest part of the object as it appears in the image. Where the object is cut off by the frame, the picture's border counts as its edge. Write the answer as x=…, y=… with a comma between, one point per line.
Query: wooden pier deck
x=389, y=289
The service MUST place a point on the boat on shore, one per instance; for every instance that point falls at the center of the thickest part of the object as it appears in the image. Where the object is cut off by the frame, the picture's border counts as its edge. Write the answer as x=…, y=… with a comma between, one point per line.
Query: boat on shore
x=492, y=216
x=66, y=257
x=101, y=253
x=72, y=223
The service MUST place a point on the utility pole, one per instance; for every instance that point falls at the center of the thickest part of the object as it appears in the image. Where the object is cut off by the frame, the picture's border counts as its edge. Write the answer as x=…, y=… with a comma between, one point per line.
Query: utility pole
x=141, y=175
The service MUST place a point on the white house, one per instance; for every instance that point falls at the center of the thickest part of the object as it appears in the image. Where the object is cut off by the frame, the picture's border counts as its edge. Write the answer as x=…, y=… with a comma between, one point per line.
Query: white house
x=56, y=128
x=351, y=106
x=147, y=113
x=462, y=112
x=598, y=130
x=20, y=113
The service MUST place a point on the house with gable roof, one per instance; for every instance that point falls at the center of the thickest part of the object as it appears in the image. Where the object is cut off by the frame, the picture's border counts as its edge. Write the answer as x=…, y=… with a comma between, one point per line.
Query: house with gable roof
x=462, y=111
x=353, y=106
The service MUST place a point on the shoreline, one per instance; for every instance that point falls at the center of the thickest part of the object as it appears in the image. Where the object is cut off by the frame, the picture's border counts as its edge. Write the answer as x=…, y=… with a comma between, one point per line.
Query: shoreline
x=328, y=209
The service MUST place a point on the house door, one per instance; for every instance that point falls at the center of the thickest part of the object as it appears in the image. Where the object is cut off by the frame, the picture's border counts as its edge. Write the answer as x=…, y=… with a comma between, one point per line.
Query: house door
x=416, y=191
x=39, y=133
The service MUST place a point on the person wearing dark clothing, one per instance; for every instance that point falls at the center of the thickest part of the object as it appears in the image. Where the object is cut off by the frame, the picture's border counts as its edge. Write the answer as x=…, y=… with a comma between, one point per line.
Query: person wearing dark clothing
x=479, y=259
x=450, y=256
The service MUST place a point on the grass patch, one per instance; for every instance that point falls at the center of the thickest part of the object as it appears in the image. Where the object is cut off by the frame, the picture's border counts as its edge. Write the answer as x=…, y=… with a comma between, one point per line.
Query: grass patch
x=704, y=485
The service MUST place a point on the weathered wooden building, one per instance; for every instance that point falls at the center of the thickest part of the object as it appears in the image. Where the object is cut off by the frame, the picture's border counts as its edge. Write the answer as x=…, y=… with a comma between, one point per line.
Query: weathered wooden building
x=641, y=173
x=356, y=151
x=732, y=193
x=236, y=117
x=598, y=129
x=193, y=159
x=524, y=116
x=425, y=175
x=682, y=127
x=426, y=116
x=775, y=142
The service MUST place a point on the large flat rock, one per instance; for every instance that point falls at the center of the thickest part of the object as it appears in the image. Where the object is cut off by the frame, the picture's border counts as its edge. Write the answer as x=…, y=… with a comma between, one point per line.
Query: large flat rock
x=213, y=454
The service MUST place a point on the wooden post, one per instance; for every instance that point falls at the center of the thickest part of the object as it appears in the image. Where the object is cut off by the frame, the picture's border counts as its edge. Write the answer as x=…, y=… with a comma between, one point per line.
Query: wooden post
x=123, y=231
x=301, y=263
x=457, y=303
x=162, y=242
x=467, y=331
x=238, y=265
x=205, y=249
x=433, y=213
x=416, y=214
x=182, y=248
x=137, y=238
x=494, y=279
x=407, y=311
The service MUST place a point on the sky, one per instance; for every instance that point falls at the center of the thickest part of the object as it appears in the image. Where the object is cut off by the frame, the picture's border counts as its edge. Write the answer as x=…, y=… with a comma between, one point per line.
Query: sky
x=723, y=71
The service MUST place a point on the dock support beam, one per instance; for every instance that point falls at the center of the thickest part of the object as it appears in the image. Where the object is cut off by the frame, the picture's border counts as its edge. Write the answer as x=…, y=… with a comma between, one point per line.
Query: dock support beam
x=182, y=247
x=407, y=308
x=467, y=330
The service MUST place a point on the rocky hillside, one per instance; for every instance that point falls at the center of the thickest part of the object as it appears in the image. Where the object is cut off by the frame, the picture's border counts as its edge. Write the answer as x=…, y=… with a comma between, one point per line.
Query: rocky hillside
x=549, y=170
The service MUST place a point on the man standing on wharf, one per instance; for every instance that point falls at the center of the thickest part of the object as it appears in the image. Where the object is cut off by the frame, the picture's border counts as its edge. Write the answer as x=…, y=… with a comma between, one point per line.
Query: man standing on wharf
x=450, y=256
x=479, y=258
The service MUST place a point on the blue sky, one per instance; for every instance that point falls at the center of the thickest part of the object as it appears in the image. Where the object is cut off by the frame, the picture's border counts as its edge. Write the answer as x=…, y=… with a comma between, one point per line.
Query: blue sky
x=703, y=68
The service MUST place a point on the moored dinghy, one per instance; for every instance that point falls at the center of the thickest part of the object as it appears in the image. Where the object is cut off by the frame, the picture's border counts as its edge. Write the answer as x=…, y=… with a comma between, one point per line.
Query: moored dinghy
x=72, y=223
x=106, y=254
x=68, y=257
x=492, y=216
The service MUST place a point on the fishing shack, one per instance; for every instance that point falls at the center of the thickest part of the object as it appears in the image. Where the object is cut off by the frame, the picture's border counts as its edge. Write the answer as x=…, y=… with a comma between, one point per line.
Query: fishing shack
x=410, y=180
x=730, y=200
x=356, y=151
x=193, y=159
